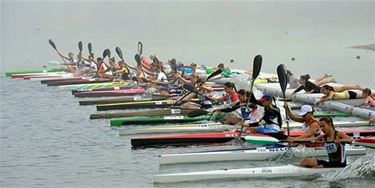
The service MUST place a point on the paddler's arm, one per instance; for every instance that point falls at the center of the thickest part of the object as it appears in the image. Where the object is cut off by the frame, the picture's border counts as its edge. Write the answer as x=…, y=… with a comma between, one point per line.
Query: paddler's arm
x=231, y=109
x=313, y=128
x=206, y=87
x=183, y=80
x=254, y=100
x=304, y=139
x=342, y=137
x=291, y=115
x=326, y=97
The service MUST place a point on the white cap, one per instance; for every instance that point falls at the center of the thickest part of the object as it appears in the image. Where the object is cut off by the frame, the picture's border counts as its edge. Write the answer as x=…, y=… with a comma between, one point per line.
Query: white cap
x=305, y=109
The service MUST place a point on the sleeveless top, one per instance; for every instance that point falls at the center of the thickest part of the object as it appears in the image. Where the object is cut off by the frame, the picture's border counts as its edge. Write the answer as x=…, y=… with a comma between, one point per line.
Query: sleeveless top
x=336, y=152
x=341, y=95
x=306, y=126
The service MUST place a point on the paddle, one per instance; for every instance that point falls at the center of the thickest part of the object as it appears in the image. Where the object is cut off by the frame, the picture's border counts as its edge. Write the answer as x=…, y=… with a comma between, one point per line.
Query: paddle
x=268, y=140
x=257, y=65
x=283, y=80
x=219, y=71
x=90, y=48
x=106, y=53
x=140, y=48
x=54, y=47
x=80, y=47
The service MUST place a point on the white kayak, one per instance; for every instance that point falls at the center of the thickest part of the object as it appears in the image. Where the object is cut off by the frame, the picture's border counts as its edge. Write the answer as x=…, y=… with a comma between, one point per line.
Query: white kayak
x=252, y=154
x=257, y=172
x=183, y=128
x=206, y=127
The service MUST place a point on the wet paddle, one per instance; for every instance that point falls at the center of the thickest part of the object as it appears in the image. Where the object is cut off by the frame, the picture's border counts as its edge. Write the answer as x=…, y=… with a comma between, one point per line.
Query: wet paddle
x=257, y=65
x=54, y=47
x=283, y=80
x=140, y=48
x=89, y=47
x=80, y=47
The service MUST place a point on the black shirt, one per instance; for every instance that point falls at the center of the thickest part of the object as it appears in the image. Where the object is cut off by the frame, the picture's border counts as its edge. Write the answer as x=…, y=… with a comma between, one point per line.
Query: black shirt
x=309, y=87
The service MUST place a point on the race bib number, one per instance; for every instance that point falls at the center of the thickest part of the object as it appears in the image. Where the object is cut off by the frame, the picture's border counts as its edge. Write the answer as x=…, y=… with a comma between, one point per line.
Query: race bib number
x=158, y=102
x=116, y=88
x=137, y=98
x=175, y=111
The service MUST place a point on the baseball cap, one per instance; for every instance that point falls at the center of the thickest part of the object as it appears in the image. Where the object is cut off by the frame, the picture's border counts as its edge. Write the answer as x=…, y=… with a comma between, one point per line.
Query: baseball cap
x=266, y=97
x=305, y=109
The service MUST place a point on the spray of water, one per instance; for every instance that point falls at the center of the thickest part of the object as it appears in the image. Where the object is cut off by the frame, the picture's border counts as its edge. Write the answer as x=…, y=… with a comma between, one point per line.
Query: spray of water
x=363, y=167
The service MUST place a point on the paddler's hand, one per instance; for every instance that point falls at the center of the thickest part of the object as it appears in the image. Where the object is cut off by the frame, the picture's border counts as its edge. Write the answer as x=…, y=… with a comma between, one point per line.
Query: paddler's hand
x=290, y=139
x=286, y=106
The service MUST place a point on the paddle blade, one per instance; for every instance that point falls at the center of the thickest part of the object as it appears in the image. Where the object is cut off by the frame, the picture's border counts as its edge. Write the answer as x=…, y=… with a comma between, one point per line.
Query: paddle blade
x=281, y=74
x=190, y=88
x=90, y=48
x=257, y=65
x=80, y=46
x=140, y=48
x=137, y=58
x=219, y=71
x=106, y=53
x=119, y=52
x=197, y=113
x=52, y=43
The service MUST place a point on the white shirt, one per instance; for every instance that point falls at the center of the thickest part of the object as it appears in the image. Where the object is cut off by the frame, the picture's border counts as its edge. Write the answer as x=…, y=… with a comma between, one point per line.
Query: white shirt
x=162, y=77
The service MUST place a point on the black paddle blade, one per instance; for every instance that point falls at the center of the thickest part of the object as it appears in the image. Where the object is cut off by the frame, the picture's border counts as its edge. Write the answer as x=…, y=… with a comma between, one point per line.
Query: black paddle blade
x=52, y=43
x=119, y=52
x=197, y=113
x=106, y=53
x=137, y=58
x=190, y=88
x=80, y=46
x=257, y=65
x=219, y=71
x=281, y=74
x=90, y=48
x=140, y=48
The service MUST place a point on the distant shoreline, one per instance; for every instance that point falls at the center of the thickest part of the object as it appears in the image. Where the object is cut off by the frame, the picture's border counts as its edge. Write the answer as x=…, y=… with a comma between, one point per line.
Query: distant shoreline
x=365, y=47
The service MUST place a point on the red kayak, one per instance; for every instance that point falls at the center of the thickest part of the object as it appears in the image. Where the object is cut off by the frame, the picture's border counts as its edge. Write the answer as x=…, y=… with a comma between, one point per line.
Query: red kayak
x=367, y=142
x=78, y=81
x=217, y=137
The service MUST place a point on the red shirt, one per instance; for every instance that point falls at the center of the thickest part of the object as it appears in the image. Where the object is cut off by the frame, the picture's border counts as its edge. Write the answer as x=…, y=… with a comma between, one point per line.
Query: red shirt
x=232, y=97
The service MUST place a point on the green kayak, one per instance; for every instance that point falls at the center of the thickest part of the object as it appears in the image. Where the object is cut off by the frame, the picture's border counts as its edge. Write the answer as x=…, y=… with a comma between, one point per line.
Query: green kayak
x=9, y=74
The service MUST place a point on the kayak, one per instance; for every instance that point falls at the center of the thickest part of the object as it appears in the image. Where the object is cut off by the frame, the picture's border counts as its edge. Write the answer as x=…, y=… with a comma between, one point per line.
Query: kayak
x=78, y=81
x=123, y=92
x=205, y=127
x=165, y=112
x=257, y=172
x=367, y=142
x=139, y=104
x=122, y=100
x=32, y=72
x=183, y=139
x=142, y=120
x=101, y=86
x=49, y=76
x=218, y=137
x=252, y=154
x=183, y=128
x=61, y=79
x=158, y=119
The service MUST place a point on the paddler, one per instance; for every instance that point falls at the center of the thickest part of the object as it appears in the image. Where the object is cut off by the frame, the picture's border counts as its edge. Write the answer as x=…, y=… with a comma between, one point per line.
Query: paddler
x=231, y=96
x=204, y=97
x=272, y=117
x=103, y=70
x=243, y=112
x=305, y=115
x=333, y=144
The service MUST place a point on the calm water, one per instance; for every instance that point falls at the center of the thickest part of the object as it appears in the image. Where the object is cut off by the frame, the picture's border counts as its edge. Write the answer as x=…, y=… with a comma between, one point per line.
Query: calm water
x=47, y=140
